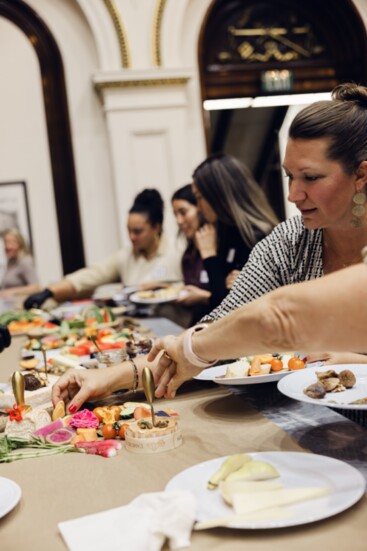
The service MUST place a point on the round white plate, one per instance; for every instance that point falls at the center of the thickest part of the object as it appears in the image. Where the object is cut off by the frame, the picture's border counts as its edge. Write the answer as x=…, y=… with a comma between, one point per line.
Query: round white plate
x=158, y=300
x=296, y=469
x=294, y=387
x=10, y=494
x=217, y=375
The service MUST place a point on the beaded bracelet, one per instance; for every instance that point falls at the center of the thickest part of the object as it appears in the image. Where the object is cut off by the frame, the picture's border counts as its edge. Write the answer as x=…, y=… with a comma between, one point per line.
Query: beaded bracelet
x=136, y=376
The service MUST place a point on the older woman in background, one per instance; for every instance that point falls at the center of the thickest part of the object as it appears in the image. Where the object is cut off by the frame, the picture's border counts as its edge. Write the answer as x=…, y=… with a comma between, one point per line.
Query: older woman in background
x=20, y=274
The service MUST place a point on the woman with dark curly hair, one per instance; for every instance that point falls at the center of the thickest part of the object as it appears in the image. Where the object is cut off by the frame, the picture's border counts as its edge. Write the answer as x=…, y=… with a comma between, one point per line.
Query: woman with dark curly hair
x=150, y=257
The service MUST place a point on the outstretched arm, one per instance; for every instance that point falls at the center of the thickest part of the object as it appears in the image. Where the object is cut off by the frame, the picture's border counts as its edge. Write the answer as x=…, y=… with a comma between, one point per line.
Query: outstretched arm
x=329, y=313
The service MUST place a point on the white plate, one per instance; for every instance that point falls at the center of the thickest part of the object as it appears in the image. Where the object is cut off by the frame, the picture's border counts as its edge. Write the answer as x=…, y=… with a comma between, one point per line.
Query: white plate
x=296, y=469
x=294, y=387
x=10, y=494
x=158, y=300
x=217, y=375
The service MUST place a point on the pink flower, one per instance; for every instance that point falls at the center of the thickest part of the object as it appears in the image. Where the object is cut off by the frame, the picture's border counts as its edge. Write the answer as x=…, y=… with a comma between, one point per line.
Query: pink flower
x=84, y=419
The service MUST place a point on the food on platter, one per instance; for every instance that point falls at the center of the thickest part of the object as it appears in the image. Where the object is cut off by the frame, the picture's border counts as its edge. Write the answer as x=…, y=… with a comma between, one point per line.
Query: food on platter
x=142, y=437
x=330, y=381
x=76, y=345
x=23, y=425
x=263, y=364
x=163, y=294
x=230, y=465
x=241, y=467
x=256, y=492
x=40, y=397
x=23, y=321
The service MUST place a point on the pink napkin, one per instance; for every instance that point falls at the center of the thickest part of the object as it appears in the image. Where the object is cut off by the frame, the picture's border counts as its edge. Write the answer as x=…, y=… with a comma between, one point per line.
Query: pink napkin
x=142, y=525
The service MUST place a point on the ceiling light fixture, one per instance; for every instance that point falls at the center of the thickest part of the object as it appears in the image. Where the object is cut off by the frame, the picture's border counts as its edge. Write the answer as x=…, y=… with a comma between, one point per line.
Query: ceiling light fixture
x=264, y=101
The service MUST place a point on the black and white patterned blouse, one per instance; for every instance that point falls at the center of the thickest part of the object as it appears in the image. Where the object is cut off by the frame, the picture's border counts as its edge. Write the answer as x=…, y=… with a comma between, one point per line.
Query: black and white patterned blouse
x=289, y=254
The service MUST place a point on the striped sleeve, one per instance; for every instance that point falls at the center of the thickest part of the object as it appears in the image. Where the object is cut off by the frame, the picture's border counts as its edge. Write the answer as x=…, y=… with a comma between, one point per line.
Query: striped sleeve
x=289, y=254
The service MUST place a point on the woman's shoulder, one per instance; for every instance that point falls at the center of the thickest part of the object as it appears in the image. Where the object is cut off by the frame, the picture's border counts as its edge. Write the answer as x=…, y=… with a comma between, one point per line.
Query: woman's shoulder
x=25, y=260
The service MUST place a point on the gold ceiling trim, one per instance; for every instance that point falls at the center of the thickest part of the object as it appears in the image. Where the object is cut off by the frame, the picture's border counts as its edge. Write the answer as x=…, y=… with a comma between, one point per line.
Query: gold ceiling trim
x=157, y=32
x=120, y=31
x=141, y=83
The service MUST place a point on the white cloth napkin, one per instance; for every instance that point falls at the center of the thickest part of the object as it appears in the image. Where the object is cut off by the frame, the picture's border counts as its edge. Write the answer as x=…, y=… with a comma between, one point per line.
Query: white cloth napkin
x=142, y=525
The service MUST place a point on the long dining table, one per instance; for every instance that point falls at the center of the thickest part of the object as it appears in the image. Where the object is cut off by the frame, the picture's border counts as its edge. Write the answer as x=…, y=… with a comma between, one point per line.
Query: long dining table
x=216, y=421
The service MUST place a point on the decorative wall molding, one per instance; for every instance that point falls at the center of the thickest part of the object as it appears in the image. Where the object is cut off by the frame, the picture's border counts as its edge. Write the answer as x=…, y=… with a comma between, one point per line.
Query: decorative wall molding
x=120, y=32
x=157, y=33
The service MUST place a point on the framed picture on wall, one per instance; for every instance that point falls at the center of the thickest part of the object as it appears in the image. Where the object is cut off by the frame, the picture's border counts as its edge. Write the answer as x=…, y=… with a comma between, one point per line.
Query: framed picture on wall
x=14, y=213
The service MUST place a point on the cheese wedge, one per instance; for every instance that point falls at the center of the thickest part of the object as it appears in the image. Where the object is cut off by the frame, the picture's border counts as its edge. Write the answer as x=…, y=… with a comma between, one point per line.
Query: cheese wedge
x=244, y=503
x=228, y=488
x=275, y=513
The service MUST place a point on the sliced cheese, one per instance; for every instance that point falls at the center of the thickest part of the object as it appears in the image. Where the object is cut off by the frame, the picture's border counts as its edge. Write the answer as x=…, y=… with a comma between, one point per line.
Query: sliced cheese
x=275, y=513
x=230, y=487
x=244, y=503
x=237, y=369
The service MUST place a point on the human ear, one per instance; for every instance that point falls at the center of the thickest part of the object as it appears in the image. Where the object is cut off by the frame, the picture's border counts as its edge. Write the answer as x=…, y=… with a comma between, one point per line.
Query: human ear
x=361, y=176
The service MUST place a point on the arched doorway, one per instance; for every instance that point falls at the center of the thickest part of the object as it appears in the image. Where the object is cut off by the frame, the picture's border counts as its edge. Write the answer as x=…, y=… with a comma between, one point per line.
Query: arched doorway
x=251, y=48
x=58, y=129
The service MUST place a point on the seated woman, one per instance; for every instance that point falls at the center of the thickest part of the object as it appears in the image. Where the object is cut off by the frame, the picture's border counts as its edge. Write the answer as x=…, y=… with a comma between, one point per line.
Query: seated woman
x=195, y=276
x=151, y=257
x=327, y=174
x=20, y=275
x=238, y=216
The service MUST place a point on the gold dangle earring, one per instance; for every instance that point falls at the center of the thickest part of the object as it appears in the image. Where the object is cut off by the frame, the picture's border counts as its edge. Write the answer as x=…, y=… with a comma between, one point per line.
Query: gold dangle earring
x=359, y=209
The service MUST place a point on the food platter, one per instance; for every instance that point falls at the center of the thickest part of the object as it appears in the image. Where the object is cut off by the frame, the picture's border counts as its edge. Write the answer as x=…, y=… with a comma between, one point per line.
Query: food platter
x=294, y=387
x=217, y=373
x=10, y=494
x=296, y=469
x=160, y=296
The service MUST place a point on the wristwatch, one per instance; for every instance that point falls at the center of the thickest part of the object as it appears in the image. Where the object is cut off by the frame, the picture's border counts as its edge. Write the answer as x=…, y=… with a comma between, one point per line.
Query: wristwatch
x=188, y=351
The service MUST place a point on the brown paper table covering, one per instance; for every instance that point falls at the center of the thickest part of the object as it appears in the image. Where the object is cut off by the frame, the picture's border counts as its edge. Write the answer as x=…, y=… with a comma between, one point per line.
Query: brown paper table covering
x=215, y=423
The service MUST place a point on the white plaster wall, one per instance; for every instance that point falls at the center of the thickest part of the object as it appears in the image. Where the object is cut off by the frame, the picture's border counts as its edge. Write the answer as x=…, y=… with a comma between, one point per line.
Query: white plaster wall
x=90, y=144
x=150, y=137
x=24, y=146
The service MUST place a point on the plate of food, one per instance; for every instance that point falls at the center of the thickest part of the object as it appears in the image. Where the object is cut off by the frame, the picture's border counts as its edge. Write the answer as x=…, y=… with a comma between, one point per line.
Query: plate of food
x=265, y=368
x=341, y=386
x=269, y=489
x=10, y=494
x=157, y=296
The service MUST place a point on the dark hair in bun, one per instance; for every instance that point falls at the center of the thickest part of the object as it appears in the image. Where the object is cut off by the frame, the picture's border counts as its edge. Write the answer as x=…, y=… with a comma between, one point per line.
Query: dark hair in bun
x=150, y=203
x=343, y=120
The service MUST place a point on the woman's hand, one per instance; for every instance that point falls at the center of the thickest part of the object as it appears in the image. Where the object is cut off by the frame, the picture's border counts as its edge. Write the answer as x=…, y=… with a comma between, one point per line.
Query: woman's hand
x=334, y=358
x=172, y=369
x=193, y=295
x=79, y=385
x=231, y=278
x=206, y=241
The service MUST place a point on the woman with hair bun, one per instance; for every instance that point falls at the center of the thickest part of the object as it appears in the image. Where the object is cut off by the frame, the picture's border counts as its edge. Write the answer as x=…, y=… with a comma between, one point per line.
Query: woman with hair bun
x=150, y=257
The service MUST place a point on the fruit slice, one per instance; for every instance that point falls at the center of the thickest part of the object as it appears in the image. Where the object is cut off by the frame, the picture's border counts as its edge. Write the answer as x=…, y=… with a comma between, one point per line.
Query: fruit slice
x=141, y=413
x=59, y=411
x=254, y=470
x=60, y=436
x=230, y=465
